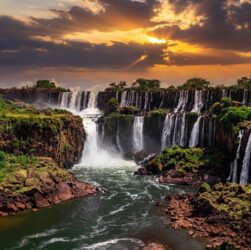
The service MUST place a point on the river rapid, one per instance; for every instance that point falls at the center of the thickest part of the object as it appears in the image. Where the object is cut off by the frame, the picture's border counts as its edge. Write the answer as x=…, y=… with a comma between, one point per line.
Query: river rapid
x=123, y=217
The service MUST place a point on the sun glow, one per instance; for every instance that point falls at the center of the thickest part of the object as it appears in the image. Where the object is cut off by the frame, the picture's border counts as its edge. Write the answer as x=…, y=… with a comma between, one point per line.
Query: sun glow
x=138, y=36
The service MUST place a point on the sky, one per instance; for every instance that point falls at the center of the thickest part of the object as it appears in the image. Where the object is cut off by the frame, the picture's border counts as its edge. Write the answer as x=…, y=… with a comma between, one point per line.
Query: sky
x=88, y=44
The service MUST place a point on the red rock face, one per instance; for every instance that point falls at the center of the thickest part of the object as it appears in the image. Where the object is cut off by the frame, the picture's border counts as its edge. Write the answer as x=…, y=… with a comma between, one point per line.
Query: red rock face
x=202, y=220
x=58, y=191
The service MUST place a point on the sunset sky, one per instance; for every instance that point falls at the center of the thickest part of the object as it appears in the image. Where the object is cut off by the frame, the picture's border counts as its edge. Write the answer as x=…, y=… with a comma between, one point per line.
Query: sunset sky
x=89, y=43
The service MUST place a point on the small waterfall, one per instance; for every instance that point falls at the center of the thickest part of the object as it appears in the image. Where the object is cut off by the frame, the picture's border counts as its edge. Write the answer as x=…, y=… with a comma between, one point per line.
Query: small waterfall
x=118, y=139
x=183, y=99
x=123, y=99
x=246, y=163
x=183, y=129
x=85, y=100
x=198, y=101
x=146, y=101
x=138, y=126
x=73, y=101
x=234, y=165
x=194, y=139
x=167, y=131
x=174, y=129
x=64, y=100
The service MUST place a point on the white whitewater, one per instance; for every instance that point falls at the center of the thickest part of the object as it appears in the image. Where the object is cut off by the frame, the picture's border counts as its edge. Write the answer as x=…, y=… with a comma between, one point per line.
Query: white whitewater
x=93, y=155
x=64, y=99
x=198, y=101
x=234, y=165
x=183, y=129
x=138, y=140
x=183, y=99
x=194, y=139
x=167, y=129
x=246, y=164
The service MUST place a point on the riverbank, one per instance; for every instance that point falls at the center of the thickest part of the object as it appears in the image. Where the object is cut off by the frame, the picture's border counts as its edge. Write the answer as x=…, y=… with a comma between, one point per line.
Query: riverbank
x=222, y=213
x=35, y=148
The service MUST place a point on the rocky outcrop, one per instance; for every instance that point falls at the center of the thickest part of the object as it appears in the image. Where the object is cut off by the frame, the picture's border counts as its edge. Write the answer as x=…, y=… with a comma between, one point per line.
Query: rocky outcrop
x=33, y=95
x=37, y=185
x=43, y=133
x=222, y=214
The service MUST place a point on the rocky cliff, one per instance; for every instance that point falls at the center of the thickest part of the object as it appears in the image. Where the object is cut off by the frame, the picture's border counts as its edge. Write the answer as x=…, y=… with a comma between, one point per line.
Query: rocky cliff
x=55, y=134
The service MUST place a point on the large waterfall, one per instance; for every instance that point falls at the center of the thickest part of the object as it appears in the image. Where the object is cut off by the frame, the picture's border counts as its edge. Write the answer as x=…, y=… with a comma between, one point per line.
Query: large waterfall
x=138, y=139
x=84, y=104
x=246, y=163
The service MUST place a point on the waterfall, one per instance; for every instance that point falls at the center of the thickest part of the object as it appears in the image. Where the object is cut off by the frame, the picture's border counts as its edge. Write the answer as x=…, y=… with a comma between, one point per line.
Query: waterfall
x=198, y=101
x=138, y=126
x=194, y=139
x=118, y=139
x=166, y=132
x=246, y=163
x=234, y=165
x=85, y=100
x=183, y=99
x=123, y=99
x=73, y=101
x=64, y=99
x=146, y=101
x=183, y=129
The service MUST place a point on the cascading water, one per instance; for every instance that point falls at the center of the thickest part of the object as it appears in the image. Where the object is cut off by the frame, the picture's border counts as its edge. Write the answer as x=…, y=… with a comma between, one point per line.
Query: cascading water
x=194, y=139
x=64, y=100
x=246, y=164
x=198, y=101
x=93, y=155
x=166, y=132
x=183, y=99
x=138, y=126
x=174, y=130
x=234, y=165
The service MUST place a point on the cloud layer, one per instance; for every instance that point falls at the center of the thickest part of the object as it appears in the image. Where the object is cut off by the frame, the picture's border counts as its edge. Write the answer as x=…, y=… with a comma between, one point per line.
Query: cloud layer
x=165, y=33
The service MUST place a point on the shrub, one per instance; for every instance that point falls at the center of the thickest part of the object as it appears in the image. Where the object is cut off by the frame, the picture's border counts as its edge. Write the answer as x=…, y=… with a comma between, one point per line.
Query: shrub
x=146, y=84
x=184, y=160
x=233, y=115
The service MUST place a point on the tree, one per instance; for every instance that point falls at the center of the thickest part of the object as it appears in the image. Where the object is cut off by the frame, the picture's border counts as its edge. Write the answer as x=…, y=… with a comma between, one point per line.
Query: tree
x=45, y=84
x=147, y=84
x=196, y=83
x=244, y=82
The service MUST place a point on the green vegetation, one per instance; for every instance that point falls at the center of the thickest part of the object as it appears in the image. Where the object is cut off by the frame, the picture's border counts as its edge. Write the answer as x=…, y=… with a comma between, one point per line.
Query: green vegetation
x=10, y=163
x=231, y=198
x=230, y=113
x=113, y=105
x=146, y=84
x=233, y=115
x=225, y=246
x=117, y=86
x=157, y=113
x=183, y=160
x=22, y=173
x=196, y=84
x=242, y=83
x=46, y=84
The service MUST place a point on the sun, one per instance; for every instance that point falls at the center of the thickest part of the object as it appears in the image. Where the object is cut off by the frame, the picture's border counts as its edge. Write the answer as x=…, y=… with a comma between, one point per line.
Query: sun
x=156, y=40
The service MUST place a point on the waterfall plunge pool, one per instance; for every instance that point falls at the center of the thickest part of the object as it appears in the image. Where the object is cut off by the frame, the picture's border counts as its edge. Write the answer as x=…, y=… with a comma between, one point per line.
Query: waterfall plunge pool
x=121, y=219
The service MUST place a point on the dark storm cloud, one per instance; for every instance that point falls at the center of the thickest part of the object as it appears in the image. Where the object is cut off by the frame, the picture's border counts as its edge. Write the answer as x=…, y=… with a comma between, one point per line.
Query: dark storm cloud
x=28, y=53
x=117, y=15
x=225, y=26
x=200, y=59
